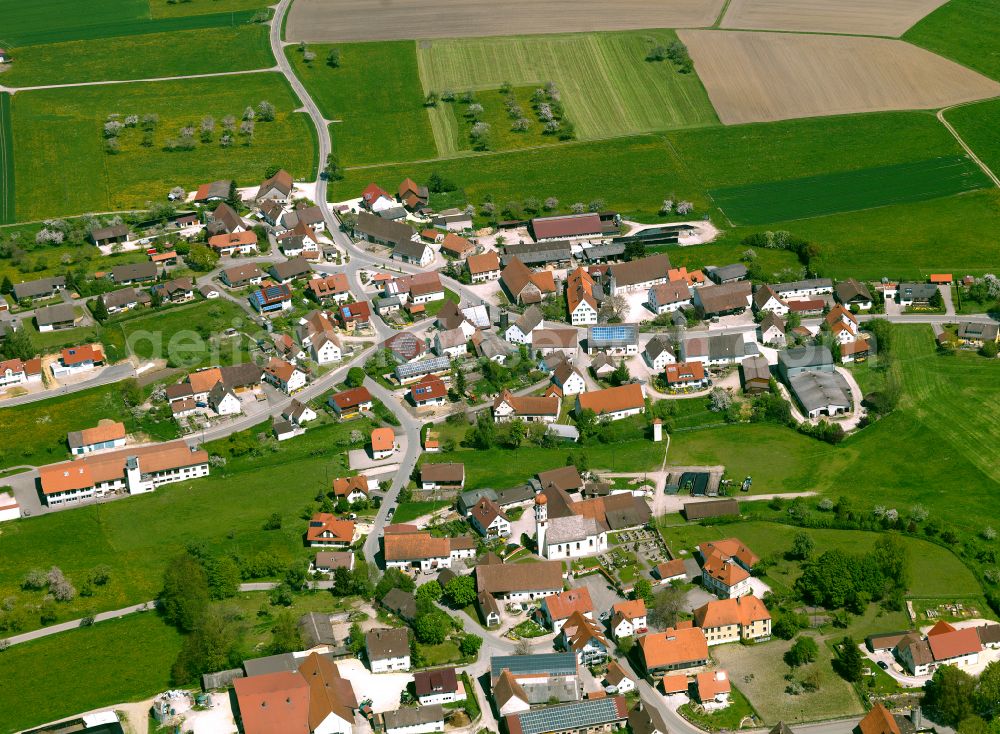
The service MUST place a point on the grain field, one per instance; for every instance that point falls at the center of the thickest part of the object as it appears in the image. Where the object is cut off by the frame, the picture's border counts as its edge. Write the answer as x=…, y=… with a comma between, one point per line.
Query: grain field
x=862, y=17
x=762, y=77
x=318, y=21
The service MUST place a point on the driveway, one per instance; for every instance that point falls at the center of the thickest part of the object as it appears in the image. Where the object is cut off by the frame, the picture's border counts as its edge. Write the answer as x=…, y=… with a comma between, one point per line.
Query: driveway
x=602, y=593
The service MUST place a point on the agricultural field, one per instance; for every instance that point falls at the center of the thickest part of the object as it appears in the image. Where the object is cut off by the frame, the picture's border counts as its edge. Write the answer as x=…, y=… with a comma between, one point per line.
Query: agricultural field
x=375, y=96
x=320, y=21
x=758, y=77
x=572, y=172
x=853, y=190
x=792, y=149
x=939, y=417
x=977, y=124
x=964, y=31
x=120, y=660
x=55, y=21
x=63, y=129
x=145, y=56
x=862, y=17
x=605, y=83
x=6, y=161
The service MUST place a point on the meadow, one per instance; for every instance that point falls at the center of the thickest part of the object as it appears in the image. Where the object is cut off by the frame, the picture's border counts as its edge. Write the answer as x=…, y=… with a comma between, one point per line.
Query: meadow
x=147, y=56
x=940, y=418
x=605, y=83
x=110, y=662
x=6, y=162
x=48, y=422
x=573, y=172
x=63, y=128
x=833, y=193
x=55, y=21
x=965, y=31
x=977, y=124
x=452, y=124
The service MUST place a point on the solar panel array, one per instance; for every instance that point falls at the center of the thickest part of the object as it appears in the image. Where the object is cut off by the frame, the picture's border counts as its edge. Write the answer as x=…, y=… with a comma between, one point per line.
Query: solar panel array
x=591, y=712
x=613, y=334
x=425, y=367
x=553, y=663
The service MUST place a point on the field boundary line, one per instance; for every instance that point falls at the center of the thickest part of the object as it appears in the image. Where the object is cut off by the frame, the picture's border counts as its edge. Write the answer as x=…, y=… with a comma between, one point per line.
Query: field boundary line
x=41, y=87
x=965, y=146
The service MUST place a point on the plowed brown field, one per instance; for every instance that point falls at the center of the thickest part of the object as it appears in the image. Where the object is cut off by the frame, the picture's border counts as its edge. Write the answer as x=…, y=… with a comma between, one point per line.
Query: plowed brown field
x=317, y=21
x=863, y=17
x=761, y=77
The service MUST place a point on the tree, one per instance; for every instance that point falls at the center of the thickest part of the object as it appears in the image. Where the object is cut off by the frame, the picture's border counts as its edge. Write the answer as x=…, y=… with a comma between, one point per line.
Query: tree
x=625, y=645
x=59, y=586
x=131, y=392
x=18, y=345
x=6, y=286
x=432, y=628
x=666, y=608
x=356, y=641
x=613, y=309
x=431, y=591
x=988, y=692
x=185, y=593
x=643, y=589
x=100, y=310
x=719, y=400
x=343, y=583
x=265, y=111
x=620, y=376
x=848, y=661
x=355, y=377
x=460, y=592
x=233, y=199
x=332, y=171
x=200, y=258
x=634, y=250
x=156, y=297
x=224, y=578
x=470, y=644
x=949, y=695
x=523, y=647
x=215, y=644
x=285, y=634
x=393, y=578
x=805, y=650
x=802, y=546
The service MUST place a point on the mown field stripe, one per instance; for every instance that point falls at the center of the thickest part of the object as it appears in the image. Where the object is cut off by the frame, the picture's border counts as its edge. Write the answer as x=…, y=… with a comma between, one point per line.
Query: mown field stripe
x=6, y=161
x=834, y=193
x=132, y=27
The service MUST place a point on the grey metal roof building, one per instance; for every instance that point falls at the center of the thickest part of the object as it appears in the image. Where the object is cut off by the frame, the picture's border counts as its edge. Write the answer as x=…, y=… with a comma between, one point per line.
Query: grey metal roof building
x=552, y=663
x=821, y=393
x=410, y=716
x=727, y=273
x=533, y=253
x=815, y=358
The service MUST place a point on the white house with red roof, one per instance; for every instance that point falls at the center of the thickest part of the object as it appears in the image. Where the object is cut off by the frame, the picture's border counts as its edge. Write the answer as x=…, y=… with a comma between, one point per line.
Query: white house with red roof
x=556, y=609
x=726, y=567
x=376, y=199
x=15, y=372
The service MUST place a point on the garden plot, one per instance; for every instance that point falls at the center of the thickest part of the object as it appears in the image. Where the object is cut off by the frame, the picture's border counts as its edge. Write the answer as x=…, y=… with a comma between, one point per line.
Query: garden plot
x=316, y=21
x=761, y=77
x=864, y=17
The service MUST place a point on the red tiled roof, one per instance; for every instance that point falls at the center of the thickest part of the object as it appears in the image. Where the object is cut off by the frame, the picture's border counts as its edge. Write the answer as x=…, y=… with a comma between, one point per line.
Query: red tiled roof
x=341, y=531
x=274, y=703
x=562, y=605
x=77, y=355
x=673, y=646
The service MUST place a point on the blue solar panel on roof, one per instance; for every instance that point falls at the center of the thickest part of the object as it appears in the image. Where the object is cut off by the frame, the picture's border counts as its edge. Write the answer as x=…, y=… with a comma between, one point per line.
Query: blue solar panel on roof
x=558, y=663
x=587, y=713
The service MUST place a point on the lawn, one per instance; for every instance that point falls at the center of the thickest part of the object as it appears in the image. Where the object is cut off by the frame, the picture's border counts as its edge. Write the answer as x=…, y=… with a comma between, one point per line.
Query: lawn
x=376, y=98
x=965, y=31
x=54, y=21
x=976, y=123
x=759, y=671
x=605, y=83
x=144, y=56
x=934, y=571
x=111, y=662
x=410, y=511
x=188, y=335
x=47, y=423
x=501, y=468
x=138, y=536
x=728, y=718
x=940, y=417
x=573, y=172
x=832, y=193
x=63, y=128
x=434, y=655
x=434, y=307
x=6, y=161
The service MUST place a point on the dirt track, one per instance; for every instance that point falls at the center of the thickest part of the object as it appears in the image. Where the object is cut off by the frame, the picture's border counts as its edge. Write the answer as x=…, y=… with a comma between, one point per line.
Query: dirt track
x=867, y=17
x=317, y=21
x=761, y=77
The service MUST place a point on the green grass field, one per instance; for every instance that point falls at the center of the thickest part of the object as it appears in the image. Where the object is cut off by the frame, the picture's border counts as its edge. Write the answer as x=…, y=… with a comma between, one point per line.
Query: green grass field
x=607, y=86
x=965, y=31
x=145, y=56
x=111, y=662
x=47, y=423
x=55, y=21
x=376, y=96
x=940, y=418
x=572, y=172
x=6, y=161
x=734, y=155
x=410, y=511
x=63, y=128
x=41, y=261
x=452, y=123
x=934, y=571
x=834, y=193
x=977, y=124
